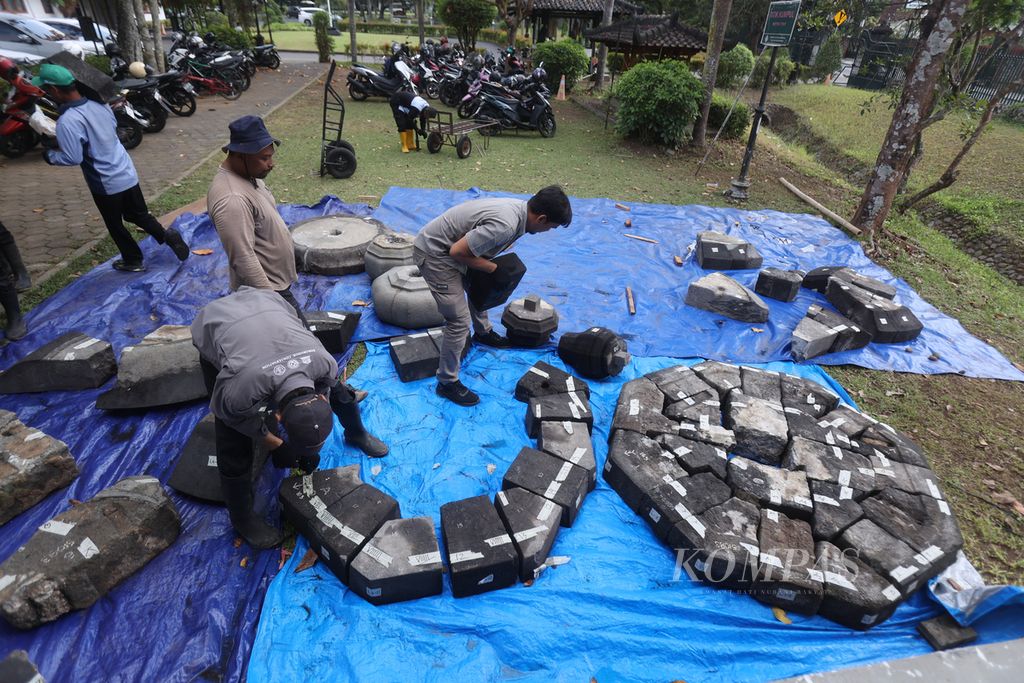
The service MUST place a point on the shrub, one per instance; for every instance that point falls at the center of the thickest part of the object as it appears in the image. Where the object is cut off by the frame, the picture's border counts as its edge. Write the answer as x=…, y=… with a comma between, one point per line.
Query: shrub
x=736, y=126
x=101, y=62
x=273, y=10
x=232, y=38
x=697, y=61
x=830, y=57
x=1013, y=113
x=215, y=20
x=324, y=43
x=733, y=66
x=564, y=57
x=784, y=66
x=658, y=102
x=616, y=62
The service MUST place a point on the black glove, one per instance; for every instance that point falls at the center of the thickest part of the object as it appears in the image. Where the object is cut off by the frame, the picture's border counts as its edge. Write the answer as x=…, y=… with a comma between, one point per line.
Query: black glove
x=282, y=456
x=309, y=463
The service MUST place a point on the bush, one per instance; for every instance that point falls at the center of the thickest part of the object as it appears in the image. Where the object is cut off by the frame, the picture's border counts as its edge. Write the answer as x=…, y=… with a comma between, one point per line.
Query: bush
x=697, y=61
x=324, y=43
x=738, y=123
x=564, y=57
x=273, y=10
x=101, y=62
x=616, y=62
x=830, y=57
x=1013, y=113
x=215, y=20
x=784, y=66
x=658, y=102
x=733, y=66
x=234, y=39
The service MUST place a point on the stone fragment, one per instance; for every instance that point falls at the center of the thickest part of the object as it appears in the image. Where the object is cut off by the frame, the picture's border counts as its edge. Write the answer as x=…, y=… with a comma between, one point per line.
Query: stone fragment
x=807, y=396
x=677, y=499
x=532, y=522
x=728, y=552
x=696, y=457
x=32, y=466
x=543, y=379
x=888, y=555
x=849, y=335
x=571, y=442
x=855, y=595
x=811, y=339
x=401, y=562
x=595, y=353
x=704, y=407
x=639, y=409
x=335, y=244
x=817, y=279
x=679, y=383
x=768, y=486
x=779, y=284
x=529, y=322
x=386, y=251
x=759, y=426
x=913, y=479
x=835, y=510
x=402, y=297
x=72, y=361
x=18, y=668
x=485, y=291
x=549, y=477
x=77, y=557
x=873, y=285
x=196, y=474
x=415, y=356
x=481, y=554
x=721, y=376
x=718, y=251
x=710, y=433
x=721, y=294
x=847, y=420
x=944, y=633
x=922, y=522
x=570, y=407
x=787, y=577
x=762, y=384
x=886, y=321
x=162, y=369
x=816, y=429
x=881, y=438
x=334, y=329
x=637, y=465
x=830, y=464
x=316, y=491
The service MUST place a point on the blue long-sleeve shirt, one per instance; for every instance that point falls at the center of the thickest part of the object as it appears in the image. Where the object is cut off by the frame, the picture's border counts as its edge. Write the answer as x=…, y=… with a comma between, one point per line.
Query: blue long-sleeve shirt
x=87, y=135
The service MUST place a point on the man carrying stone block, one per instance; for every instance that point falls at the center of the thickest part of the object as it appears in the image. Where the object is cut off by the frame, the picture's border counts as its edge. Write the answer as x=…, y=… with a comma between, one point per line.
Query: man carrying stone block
x=469, y=236
x=264, y=369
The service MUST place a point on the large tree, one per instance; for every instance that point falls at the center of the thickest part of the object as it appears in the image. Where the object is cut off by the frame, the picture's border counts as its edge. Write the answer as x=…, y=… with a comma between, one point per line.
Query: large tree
x=602, y=52
x=938, y=29
x=467, y=17
x=513, y=13
x=128, y=38
x=716, y=36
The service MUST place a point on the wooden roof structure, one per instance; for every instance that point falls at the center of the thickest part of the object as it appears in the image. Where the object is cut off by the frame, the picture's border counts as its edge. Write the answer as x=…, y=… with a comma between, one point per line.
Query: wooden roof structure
x=581, y=9
x=650, y=34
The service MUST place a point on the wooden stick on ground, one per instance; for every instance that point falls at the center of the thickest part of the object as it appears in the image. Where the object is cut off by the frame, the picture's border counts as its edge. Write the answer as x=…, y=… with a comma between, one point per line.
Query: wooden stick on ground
x=622, y=207
x=835, y=218
x=677, y=260
x=629, y=300
x=638, y=237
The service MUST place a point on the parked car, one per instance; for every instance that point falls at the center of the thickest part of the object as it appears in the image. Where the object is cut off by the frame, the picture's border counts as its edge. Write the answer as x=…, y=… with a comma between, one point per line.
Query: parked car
x=306, y=14
x=20, y=58
x=292, y=12
x=24, y=34
x=73, y=30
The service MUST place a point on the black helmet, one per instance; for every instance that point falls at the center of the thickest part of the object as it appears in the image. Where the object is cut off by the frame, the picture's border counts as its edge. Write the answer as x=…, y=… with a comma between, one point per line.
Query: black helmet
x=477, y=60
x=539, y=74
x=209, y=37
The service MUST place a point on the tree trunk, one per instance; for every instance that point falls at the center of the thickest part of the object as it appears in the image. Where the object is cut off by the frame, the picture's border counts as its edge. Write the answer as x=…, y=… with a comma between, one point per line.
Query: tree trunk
x=915, y=157
x=352, y=29
x=128, y=30
x=158, y=43
x=716, y=36
x=421, y=7
x=602, y=52
x=937, y=31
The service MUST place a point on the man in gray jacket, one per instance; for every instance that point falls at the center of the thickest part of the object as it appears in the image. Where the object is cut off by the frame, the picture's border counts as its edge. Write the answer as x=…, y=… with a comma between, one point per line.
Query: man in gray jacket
x=265, y=370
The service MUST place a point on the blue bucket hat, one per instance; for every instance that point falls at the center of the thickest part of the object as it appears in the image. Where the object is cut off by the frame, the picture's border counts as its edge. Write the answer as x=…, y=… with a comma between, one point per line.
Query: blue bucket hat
x=249, y=135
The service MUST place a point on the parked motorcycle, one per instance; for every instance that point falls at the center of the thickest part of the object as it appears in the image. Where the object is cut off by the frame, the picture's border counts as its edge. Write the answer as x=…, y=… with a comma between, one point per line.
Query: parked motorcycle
x=530, y=111
x=364, y=82
x=266, y=55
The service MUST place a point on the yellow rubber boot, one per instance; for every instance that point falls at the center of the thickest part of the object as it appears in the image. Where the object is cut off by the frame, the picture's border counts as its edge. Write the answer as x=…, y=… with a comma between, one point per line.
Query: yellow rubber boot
x=412, y=141
x=404, y=134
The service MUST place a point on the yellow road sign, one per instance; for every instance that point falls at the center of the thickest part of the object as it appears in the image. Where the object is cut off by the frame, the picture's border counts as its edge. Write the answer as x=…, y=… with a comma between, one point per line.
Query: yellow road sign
x=840, y=17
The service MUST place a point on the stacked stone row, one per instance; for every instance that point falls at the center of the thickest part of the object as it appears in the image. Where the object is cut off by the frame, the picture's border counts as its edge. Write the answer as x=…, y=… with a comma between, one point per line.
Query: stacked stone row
x=767, y=483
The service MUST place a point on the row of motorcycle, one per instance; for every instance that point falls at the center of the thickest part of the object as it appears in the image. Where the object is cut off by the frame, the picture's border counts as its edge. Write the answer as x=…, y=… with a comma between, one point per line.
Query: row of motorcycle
x=481, y=87
x=142, y=100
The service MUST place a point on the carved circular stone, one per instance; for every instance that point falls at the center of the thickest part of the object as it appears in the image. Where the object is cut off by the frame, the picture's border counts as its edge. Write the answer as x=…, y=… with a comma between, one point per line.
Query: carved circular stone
x=333, y=245
x=402, y=297
x=387, y=251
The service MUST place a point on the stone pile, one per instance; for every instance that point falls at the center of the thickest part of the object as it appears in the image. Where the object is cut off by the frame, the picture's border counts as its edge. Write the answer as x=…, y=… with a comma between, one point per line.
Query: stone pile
x=32, y=466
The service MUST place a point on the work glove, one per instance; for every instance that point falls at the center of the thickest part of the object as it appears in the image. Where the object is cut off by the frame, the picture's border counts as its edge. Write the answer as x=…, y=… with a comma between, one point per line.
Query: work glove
x=309, y=463
x=282, y=456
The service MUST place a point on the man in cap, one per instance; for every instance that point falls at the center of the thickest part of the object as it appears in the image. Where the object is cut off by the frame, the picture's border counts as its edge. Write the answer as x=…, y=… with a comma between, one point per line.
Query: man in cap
x=265, y=370
x=469, y=236
x=87, y=137
x=406, y=108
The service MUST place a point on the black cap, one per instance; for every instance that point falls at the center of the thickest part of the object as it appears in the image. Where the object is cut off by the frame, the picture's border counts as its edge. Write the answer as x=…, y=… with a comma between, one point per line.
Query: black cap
x=308, y=420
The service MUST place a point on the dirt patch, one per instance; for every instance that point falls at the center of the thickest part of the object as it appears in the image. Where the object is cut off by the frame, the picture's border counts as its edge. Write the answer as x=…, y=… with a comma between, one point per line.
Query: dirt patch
x=788, y=125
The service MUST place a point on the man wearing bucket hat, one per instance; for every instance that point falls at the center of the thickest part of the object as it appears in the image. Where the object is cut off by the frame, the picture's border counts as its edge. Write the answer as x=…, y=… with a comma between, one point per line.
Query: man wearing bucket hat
x=87, y=137
x=265, y=370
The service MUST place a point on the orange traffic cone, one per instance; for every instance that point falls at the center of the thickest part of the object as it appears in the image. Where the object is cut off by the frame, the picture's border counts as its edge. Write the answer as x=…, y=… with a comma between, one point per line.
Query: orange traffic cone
x=561, y=88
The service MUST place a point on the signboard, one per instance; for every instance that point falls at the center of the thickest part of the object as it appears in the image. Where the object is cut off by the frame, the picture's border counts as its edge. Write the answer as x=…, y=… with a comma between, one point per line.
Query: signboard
x=840, y=18
x=779, y=25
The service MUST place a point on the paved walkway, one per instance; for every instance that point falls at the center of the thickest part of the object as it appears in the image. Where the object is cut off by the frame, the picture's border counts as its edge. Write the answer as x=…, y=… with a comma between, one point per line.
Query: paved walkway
x=49, y=209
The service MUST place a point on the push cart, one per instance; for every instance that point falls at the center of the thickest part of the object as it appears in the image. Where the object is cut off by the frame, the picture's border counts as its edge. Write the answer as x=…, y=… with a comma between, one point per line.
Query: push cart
x=443, y=130
x=337, y=156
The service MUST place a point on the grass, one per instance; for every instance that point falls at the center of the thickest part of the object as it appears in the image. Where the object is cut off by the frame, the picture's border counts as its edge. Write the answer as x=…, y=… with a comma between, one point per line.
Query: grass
x=304, y=41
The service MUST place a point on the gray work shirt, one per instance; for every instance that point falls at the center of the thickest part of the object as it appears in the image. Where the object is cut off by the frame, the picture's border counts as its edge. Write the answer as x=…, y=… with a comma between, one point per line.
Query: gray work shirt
x=489, y=225
x=262, y=351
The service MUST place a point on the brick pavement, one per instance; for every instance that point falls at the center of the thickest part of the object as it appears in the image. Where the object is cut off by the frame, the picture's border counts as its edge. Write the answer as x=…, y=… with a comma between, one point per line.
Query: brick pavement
x=49, y=209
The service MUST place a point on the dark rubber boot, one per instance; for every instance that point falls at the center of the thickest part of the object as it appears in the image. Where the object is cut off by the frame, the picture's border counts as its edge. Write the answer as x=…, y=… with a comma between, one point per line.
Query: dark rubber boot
x=22, y=280
x=238, y=498
x=345, y=407
x=16, y=328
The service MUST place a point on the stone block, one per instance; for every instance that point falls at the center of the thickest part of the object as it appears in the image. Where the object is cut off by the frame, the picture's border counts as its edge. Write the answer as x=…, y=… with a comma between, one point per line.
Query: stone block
x=718, y=293
x=914, y=479
x=728, y=554
x=678, y=499
x=80, y=555
x=571, y=442
x=817, y=279
x=849, y=335
x=334, y=329
x=386, y=251
x=807, y=396
x=835, y=510
x=881, y=438
x=196, y=474
x=529, y=322
x=811, y=339
x=532, y=522
x=415, y=356
x=636, y=465
x=484, y=292
x=91, y=82
x=787, y=577
x=679, y=383
x=595, y=353
x=570, y=407
x=718, y=251
x=162, y=369
x=759, y=426
x=696, y=457
x=855, y=595
x=335, y=244
x=779, y=284
x=18, y=668
x=709, y=433
x=72, y=361
x=803, y=425
x=402, y=297
x=552, y=478
x=543, y=379
x=639, y=409
x=32, y=466
x=481, y=555
x=922, y=522
x=887, y=555
x=720, y=376
x=699, y=409
x=763, y=384
x=830, y=464
x=401, y=562
x=304, y=496
x=944, y=633
x=873, y=285
x=771, y=487
x=846, y=419
x=886, y=321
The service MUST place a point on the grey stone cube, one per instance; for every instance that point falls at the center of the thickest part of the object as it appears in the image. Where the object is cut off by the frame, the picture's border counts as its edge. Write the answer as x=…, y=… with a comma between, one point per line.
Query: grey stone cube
x=779, y=284
x=835, y=510
x=549, y=477
x=677, y=499
x=543, y=379
x=787, y=577
x=639, y=409
x=722, y=377
x=637, y=465
x=718, y=293
x=532, y=521
x=480, y=551
x=760, y=427
x=162, y=369
x=569, y=407
x=401, y=562
x=696, y=457
x=571, y=442
x=770, y=487
x=855, y=595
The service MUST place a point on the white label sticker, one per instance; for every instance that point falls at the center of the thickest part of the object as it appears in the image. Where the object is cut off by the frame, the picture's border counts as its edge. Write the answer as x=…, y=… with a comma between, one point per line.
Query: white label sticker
x=577, y=455
x=839, y=580
x=838, y=452
x=34, y=435
x=866, y=471
x=397, y=342
x=318, y=505
x=933, y=489
x=902, y=572
x=6, y=581
x=815, y=575
x=350, y=533
x=775, y=497
x=574, y=397
x=374, y=592
x=634, y=406
x=211, y=461
x=312, y=328
x=502, y=497
x=570, y=385
x=705, y=423
x=538, y=371
x=86, y=344
x=87, y=548
x=932, y=553
x=844, y=478
x=487, y=579
x=677, y=487
x=418, y=335
x=825, y=500
x=654, y=515
x=563, y=472
x=567, y=426
x=742, y=464
x=57, y=527
x=682, y=450
x=464, y=556
x=690, y=519
x=552, y=489
x=787, y=594
x=495, y=541
x=868, y=619
x=944, y=507
x=846, y=493
x=546, y=511
x=376, y=553
x=574, y=410
x=891, y=593
x=325, y=517
x=335, y=316
x=325, y=553
x=536, y=411
x=527, y=534
x=772, y=515
x=752, y=550
x=425, y=558
x=803, y=501
x=721, y=454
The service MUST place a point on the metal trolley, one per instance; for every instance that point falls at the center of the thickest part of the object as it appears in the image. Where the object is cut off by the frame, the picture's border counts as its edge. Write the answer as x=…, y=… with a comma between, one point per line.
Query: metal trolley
x=337, y=156
x=443, y=130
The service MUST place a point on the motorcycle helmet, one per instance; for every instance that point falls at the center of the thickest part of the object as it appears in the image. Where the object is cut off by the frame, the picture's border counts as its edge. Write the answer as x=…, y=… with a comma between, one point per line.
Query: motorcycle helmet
x=173, y=36
x=395, y=48
x=539, y=74
x=510, y=51
x=195, y=42
x=111, y=49
x=8, y=69
x=444, y=40
x=477, y=61
x=209, y=37
x=137, y=70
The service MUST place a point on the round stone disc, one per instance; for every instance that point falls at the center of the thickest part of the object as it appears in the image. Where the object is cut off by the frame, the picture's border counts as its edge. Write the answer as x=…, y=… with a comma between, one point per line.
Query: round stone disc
x=333, y=245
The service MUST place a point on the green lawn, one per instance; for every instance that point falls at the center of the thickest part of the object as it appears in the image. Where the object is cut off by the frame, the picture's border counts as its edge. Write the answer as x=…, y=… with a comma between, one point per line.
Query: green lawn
x=304, y=41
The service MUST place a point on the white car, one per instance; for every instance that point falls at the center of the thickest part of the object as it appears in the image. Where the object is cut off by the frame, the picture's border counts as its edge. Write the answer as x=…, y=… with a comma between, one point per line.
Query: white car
x=73, y=30
x=306, y=15
x=24, y=34
x=20, y=58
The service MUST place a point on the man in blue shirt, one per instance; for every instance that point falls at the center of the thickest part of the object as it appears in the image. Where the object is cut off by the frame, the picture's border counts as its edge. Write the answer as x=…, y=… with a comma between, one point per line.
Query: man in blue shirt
x=87, y=137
